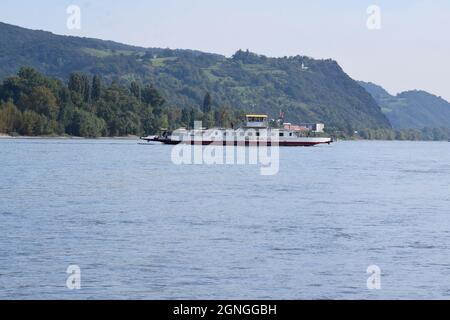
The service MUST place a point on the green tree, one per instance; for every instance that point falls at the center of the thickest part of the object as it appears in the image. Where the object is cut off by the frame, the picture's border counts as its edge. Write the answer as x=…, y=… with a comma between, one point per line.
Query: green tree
x=41, y=100
x=35, y=124
x=135, y=89
x=96, y=90
x=222, y=117
x=207, y=103
x=147, y=120
x=88, y=125
x=76, y=83
x=152, y=96
x=86, y=93
x=185, y=117
x=160, y=123
x=10, y=118
x=208, y=119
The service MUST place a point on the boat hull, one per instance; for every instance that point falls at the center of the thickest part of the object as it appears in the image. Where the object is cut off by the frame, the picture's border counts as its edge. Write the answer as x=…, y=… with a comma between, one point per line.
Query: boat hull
x=306, y=142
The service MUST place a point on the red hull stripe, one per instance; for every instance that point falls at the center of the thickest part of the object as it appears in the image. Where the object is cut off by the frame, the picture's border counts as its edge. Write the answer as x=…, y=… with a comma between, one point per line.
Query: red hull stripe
x=240, y=143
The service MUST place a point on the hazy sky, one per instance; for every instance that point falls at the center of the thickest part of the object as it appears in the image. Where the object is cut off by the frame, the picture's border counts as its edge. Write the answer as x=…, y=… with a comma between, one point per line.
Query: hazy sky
x=410, y=51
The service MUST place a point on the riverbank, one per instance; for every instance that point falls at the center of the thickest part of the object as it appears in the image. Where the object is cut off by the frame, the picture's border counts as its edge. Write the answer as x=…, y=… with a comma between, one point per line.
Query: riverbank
x=6, y=136
x=132, y=137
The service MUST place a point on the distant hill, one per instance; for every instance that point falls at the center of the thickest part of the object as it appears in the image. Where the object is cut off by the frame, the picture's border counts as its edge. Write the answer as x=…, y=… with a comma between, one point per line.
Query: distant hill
x=307, y=90
x=411, y=109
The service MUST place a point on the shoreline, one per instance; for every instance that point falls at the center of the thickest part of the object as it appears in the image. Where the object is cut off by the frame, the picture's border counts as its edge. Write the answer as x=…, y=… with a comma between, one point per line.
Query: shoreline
x=5, y=136
x=9, y=137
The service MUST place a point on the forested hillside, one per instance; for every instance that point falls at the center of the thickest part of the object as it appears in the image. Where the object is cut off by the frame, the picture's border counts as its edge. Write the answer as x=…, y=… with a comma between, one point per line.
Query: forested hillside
x=307, y=90
x=412, y=109
x=33, y=104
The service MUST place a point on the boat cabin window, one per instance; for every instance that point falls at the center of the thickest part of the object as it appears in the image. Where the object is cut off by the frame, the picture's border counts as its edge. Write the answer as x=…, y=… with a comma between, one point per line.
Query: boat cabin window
x=255, y=119
x=281, y=134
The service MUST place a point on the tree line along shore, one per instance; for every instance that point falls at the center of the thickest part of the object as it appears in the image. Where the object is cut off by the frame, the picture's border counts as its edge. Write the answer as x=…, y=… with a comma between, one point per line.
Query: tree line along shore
x=32, y=104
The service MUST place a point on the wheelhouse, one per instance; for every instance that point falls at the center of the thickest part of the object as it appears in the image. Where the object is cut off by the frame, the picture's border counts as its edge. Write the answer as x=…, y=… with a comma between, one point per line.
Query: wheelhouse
x=256, y=121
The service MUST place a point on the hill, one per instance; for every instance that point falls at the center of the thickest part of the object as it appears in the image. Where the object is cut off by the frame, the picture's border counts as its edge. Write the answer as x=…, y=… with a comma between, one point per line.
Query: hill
x=411, y=109
x=307, y=90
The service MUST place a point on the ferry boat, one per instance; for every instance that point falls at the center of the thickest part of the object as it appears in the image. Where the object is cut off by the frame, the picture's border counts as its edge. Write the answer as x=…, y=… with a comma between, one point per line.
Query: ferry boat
x=254, y=132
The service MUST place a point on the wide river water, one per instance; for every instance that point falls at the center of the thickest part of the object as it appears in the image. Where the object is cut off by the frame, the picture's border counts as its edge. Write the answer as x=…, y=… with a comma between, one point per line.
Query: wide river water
x=139, y=226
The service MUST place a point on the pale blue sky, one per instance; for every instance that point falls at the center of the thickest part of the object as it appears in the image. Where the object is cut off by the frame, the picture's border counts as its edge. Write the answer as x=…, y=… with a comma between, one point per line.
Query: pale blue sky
x=411, y=51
